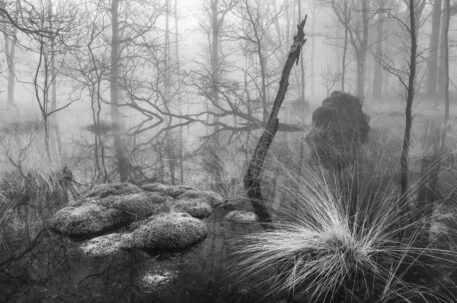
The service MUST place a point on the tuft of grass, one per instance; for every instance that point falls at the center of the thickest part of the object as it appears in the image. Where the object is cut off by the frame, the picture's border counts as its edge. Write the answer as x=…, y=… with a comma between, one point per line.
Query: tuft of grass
x=343, y=237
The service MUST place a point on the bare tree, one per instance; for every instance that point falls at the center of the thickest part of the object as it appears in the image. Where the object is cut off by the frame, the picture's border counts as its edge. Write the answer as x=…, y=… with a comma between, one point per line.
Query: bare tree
x=378, y=72
x=64, y=22
x=355, y=17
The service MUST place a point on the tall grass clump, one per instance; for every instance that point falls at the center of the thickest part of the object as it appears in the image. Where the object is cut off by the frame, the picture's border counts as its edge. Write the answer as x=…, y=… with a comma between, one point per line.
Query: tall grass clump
x=344, y=236
x=32, y=185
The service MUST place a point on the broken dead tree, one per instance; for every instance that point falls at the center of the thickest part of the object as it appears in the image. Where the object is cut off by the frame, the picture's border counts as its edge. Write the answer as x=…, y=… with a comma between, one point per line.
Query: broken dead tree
x=253, y=175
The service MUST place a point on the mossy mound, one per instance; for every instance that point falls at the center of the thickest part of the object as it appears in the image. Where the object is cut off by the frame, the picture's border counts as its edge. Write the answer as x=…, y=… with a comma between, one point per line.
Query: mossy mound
x=196, y=207
x=141, y=205
x=170, y=190
x=88, y=219
x=152, y=218
x=112, y=189
x=212, y=198
x=240, y=216
x=103, y=246
x=165, y=232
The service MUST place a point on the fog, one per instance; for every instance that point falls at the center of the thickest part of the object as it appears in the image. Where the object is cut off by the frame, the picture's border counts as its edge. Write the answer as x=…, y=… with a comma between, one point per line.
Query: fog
x=226, y=102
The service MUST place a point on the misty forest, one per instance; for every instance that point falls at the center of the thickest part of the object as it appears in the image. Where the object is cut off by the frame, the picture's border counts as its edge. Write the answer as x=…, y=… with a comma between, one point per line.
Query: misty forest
x=239, y=151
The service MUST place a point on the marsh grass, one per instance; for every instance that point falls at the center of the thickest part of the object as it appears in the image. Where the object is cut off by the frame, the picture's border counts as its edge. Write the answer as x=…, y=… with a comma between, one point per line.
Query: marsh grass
x=347, y=236
x=32, y=185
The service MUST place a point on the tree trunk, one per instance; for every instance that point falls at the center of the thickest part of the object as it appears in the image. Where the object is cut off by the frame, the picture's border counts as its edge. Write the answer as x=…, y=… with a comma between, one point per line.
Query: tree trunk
x=441, y=58
x=345, y=51
x=432, y=63
x=168, y=134
x=447, y=19
x=54, y=121
x=10, y=52
x=313, y=50
x=378, y=73
x=409, y=102
x=123, y=162
x=362, y=53
x=253, y=175
x=178, y=70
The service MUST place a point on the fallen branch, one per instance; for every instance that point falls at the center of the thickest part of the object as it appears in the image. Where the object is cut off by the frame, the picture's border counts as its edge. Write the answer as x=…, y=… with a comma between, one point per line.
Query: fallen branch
x=253, y=175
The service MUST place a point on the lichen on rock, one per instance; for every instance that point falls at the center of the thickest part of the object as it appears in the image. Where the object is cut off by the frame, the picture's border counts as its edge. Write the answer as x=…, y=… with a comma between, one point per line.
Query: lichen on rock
x=170, y=231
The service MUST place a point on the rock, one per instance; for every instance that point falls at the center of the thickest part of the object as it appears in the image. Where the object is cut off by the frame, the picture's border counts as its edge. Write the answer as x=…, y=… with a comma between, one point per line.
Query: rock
x=88, y=219
x=196, y=207
x=171, y=231
x=340, y=127
x=240, y=216
x=170, y=190
x=112, y=189
x=103, y=246
x=212, y=198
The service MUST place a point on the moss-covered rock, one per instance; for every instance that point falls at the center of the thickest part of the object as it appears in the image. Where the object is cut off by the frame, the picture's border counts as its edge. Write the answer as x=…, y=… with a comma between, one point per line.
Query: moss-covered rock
x=196, y=207
x=240, y=216
x=93, y=216
x=164, y=232
x=103, y=246
x=112, y=189
x=140, y=205
x=212, y=198
x=151, y=217
x=170, y=190
x=88, y=219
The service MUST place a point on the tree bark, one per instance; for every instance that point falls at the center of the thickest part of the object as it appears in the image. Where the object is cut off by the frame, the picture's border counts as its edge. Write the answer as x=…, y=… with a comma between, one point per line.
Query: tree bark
x=253, y=175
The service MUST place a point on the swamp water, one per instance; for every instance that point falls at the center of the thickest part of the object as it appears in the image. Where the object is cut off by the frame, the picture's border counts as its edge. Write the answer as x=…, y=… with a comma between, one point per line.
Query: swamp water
x=53, y=268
